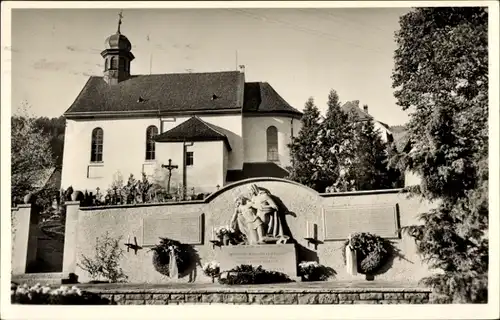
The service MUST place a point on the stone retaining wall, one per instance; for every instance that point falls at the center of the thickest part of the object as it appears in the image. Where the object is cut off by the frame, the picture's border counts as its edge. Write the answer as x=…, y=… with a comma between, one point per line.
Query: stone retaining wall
x=350, y=296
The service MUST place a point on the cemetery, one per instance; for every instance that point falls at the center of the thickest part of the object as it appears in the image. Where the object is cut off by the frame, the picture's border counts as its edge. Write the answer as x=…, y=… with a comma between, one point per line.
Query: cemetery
x=259, y=240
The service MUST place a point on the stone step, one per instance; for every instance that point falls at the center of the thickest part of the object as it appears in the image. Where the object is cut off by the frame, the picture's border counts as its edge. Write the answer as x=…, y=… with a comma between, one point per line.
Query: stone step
x=50, y=278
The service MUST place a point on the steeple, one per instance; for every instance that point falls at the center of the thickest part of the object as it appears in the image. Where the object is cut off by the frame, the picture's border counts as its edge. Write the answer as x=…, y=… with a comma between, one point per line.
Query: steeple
x=117, y=56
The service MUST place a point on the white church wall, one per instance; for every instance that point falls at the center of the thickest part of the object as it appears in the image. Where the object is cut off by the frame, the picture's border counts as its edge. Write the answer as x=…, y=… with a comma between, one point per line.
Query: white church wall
x=231, y=126
x=206, y=172
x=124, y=149
x=255, y=142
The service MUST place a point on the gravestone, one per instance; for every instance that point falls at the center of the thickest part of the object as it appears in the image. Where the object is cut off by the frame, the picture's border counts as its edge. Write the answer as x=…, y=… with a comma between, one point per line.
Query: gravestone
x=186, y=228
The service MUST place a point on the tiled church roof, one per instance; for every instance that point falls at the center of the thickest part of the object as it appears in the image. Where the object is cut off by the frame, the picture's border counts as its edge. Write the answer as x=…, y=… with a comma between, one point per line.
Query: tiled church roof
x=193, y=129
x=260, y=97
x=181, y=93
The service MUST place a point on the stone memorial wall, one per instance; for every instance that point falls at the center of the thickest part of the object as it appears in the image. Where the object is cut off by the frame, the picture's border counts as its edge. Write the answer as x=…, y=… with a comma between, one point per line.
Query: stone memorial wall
x=317, y=224
x=381, y=220
x=279, y=257
x=184, y=227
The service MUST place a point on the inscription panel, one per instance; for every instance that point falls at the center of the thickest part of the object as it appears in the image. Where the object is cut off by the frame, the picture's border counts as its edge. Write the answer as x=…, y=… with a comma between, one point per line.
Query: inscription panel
x=185, y=227
x=378, y=220
x=272, y=257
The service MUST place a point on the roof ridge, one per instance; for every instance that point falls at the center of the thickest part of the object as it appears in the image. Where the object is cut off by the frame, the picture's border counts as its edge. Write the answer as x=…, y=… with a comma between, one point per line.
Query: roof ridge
x=176, y=73
x=210, y=126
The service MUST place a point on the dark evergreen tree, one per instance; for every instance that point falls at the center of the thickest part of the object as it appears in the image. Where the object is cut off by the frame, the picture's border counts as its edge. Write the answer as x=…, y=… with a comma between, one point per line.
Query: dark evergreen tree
x=369, y=161
x=334, y=147
x=441, y=74
x=304, y=147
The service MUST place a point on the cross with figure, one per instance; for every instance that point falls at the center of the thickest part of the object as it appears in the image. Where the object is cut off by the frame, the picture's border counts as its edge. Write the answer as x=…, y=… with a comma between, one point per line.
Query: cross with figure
x=120, y=15
x=169, y=167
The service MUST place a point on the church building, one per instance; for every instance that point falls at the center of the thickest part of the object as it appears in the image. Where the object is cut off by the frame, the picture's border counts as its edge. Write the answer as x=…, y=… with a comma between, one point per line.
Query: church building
x=208, y=129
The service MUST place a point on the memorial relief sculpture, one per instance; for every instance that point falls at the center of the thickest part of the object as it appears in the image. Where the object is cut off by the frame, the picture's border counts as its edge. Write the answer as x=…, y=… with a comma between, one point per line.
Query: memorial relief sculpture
x=258, y=218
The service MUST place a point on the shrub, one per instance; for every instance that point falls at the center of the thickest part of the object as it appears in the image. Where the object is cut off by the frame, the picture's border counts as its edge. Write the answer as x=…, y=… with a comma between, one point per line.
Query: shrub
x=45, y=295
x=247, y=274
x=105, y=262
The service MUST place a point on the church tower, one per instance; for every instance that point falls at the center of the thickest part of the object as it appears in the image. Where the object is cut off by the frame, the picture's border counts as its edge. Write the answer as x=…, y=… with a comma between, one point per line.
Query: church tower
x=117, y=57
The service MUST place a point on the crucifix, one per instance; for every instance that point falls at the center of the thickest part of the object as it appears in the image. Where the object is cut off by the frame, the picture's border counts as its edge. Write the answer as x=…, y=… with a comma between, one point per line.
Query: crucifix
x=120, y=20
x=169, y=167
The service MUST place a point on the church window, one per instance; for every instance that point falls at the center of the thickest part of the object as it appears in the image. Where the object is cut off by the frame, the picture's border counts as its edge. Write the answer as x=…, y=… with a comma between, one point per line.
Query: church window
x=272, y=144
x=114, y=63
x=150, y=143
x=97, y=145
x=189, y=158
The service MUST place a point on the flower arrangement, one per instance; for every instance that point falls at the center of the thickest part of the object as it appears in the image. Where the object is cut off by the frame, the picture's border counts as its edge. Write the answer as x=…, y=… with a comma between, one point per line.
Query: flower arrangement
x=221, y=231
x=248, y=274
x=38, y=294
x=314, y=271
x=372, y=252
x=227, y=235
x=211, y=269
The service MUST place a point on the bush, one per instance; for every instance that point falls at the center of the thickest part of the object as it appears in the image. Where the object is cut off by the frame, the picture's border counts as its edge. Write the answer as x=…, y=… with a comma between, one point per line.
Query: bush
x=105, y=262
x=45, y=295
x=247, y=274
x=134, y=191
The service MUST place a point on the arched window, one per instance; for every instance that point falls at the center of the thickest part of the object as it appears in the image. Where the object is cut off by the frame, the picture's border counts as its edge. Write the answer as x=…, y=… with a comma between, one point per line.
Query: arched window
x=97, y=144
x=114, y=63
x=272, y=144
x=151, y=131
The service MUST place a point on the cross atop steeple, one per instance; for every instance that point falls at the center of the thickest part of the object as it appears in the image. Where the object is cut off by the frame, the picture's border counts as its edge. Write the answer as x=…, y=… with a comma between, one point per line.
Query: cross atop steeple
x=120, y=15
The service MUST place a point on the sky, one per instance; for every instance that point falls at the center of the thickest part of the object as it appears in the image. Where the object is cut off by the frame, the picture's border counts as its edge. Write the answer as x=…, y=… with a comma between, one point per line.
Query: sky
x=302, y=53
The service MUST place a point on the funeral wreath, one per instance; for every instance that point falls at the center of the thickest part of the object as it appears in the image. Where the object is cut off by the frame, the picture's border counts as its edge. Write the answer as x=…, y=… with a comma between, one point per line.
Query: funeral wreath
x=168, y=251
x=372, y=252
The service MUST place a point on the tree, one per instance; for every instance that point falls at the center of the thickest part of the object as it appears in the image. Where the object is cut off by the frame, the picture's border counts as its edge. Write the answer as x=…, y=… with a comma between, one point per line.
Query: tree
x=303, y=147
x=30, y=156
x=334, y=147
x=53, y=128
x=441, y=74
x=369, y=161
